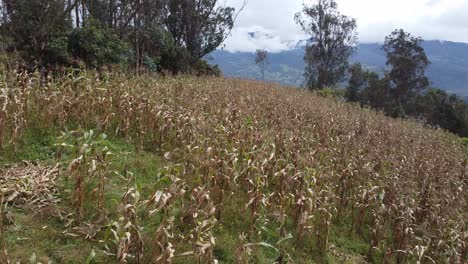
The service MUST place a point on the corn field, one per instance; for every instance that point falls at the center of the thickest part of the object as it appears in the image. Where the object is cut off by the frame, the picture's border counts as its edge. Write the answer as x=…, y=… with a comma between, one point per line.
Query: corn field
x=288, y=164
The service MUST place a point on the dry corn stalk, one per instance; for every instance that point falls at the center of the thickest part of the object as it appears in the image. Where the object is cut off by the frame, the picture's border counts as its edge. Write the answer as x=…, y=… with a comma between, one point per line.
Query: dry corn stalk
x=30, y=184
x=4, y=254
x=318, y=160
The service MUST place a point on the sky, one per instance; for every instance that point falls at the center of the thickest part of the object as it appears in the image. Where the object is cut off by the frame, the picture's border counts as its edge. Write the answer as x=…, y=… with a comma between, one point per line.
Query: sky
x=274, y=19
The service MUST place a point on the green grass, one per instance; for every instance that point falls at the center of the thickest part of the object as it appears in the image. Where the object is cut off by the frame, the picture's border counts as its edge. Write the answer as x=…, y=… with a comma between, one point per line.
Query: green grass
x=31, y=234
x=348, y=244
x=36, y=144
x=464, y=141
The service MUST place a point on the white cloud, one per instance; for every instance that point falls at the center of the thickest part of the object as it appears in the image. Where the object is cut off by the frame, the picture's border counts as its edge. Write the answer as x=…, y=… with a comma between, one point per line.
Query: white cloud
x=431, y=19
x=241, y=41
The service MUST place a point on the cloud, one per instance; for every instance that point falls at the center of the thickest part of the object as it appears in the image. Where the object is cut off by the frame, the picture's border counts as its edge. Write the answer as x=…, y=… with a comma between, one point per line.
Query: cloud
x=431, y=19
x=274, y=15
x=243, y=41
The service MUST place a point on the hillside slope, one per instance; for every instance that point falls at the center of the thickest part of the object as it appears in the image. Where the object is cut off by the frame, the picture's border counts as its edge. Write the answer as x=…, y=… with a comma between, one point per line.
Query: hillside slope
x=195, y=170
x=448, y=69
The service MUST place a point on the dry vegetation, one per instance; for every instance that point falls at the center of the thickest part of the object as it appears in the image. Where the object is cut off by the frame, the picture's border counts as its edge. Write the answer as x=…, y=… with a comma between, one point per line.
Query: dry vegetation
x=251, y=172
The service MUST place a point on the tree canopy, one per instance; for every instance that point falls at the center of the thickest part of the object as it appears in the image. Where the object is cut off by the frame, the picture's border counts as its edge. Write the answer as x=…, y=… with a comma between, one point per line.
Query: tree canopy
x=408, y=63
x=261, y=58
x=332, y=42
x=169, y=35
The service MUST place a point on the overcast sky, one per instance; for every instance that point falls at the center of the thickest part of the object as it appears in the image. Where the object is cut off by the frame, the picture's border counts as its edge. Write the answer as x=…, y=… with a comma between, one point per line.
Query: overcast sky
x=430, y=19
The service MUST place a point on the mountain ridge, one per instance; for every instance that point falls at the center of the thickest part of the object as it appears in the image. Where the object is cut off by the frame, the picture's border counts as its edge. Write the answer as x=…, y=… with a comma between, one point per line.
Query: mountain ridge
x=448, y=69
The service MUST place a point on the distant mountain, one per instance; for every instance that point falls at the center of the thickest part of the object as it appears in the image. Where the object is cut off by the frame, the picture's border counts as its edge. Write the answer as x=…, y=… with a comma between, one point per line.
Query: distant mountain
x=448, y=69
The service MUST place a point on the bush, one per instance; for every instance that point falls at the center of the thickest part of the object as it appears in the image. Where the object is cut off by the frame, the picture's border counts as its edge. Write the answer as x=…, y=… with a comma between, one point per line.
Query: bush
x=98, y=45
x=57, y=50
x=203, y=68
x=332, y=93
x=464, y=141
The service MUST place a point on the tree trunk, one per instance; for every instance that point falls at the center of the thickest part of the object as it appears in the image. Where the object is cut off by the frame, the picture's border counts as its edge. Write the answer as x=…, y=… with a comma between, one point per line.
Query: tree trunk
x=77, y=14
x=111, y=13
x=70, y=15
x=83, y=6
x=137, y=48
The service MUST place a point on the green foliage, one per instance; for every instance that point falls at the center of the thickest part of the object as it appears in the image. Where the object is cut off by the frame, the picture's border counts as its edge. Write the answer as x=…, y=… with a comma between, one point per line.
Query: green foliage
x=198, y=26
x=35, y=145
x=151, y=63
x=441, y=109
x=88, y=155
x=98, y=45
x=464, y=141
x=203, y=68
x=375, y=94
x=400, y=92
x=396, y=92
x=169, y=35
x=334, y=38
x=33, y=24
x=58, y=50
x=357, y=81
x=332, y=92
x=408, y=62
x=174, y=58
x=435, y=107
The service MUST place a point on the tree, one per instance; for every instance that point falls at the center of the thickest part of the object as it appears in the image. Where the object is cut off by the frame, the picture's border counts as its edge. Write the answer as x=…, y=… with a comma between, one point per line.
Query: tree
x=97, y=45
x=261, y=59
x=375, y=94
x=160, y=35
x=333, y=40
x=357, y=81
x=438, y=108
x=37, y=29
x=408, y=63
x=200, y=26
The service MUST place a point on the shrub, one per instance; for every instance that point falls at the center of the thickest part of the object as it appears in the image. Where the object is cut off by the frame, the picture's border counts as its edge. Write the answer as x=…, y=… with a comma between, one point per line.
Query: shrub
x=57, y=50
x=464, y=141
x=98, y=45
